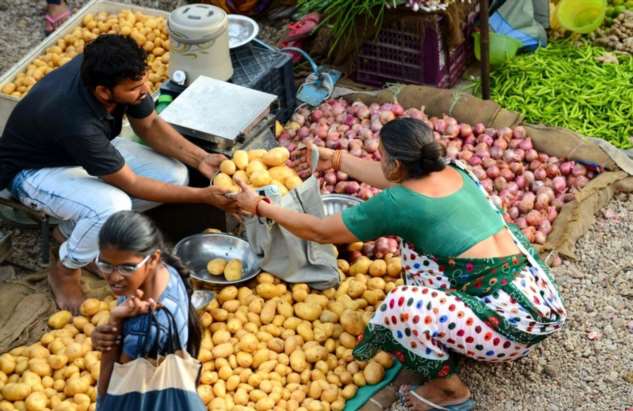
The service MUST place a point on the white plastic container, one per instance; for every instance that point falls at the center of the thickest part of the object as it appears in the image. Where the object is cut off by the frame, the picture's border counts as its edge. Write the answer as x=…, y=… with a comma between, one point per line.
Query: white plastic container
x=199, y=39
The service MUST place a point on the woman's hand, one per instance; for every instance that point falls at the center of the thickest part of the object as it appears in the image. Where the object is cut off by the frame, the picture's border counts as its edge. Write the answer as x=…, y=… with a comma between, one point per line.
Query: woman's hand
x=132, y=307
x=325, y=160
x=247, y=199
x=106, y=337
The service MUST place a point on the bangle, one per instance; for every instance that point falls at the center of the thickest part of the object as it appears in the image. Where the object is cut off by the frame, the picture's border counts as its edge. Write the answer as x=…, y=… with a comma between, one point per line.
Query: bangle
x=337, y=159
x=260, y=199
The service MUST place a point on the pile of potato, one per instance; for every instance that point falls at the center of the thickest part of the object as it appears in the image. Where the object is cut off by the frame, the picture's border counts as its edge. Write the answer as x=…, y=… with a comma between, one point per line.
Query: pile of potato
x=258, y=168
x=232, y=270
x=60, y=372
x=270, y=346
x=149, y=31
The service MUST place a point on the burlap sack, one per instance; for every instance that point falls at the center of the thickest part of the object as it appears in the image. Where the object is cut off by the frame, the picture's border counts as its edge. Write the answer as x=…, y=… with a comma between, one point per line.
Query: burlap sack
x=576, y=216
x=27, y=302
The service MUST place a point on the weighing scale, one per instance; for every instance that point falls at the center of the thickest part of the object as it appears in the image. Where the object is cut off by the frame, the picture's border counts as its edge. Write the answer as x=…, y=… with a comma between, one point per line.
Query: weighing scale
x=221, y=117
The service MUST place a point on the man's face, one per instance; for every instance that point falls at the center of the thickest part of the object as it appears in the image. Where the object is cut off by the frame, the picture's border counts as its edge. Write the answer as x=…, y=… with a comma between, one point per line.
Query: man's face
x=130, y=91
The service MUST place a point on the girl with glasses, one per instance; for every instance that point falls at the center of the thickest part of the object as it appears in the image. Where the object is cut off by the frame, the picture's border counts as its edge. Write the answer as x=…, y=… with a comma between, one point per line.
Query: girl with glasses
x=143, y=276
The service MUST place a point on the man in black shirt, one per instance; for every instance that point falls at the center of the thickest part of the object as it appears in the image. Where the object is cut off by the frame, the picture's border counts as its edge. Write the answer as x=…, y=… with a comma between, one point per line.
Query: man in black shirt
x=60, y=153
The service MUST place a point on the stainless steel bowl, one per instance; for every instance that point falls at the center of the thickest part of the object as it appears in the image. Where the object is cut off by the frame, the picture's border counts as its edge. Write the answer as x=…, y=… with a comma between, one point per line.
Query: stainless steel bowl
x=336, y=203
x=242, y=30
x=195, y=251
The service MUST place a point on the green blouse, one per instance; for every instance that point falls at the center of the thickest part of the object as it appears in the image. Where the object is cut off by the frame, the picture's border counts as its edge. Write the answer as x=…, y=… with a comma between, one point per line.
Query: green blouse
x=441, y=226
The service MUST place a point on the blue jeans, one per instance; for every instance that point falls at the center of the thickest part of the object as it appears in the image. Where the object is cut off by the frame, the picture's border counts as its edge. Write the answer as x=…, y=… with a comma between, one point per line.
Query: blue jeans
x=83, y=202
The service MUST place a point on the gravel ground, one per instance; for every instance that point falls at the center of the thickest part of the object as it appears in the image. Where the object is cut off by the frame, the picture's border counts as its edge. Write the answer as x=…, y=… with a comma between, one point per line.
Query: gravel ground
x=588, y=366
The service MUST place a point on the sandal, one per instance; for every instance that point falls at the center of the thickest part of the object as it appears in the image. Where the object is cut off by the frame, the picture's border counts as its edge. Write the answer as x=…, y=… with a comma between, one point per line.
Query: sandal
x=466, y=405
x=52, y=23
x=382, y=400
x=304, y=27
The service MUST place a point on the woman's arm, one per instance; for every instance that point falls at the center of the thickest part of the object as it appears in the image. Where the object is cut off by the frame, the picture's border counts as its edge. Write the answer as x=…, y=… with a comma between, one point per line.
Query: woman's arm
x=328, y=230
x=366, y=171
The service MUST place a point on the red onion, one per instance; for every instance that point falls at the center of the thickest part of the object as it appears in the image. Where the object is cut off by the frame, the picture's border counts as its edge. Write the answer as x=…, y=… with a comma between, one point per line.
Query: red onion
x=479, y=172
x=506, y=173
x=542, y=201
x=513, y=187
x=505, y=133
x=514, y=143
x=500, y=183
x=501, y=143
x=386, y=116
x=534, y=218
x=521, y=182
x=519, y=132
x=508, y=155
x=579, y=170
x=487, y=185
x=543, y=157
x=439, y=125
x=540, y=173
x=513, y=212
x=452, y=151
x=559, y=184
x=540, y=237
x=479, y=128
x=527, y=202
x=488, y=162
x=299, y=119
x=474, y=160
x=496, y=152
x=552, y=170
x=530, y=233
x=340, y=187
x=492, y=172
x=529, y=176
x=519, y=154
x=371, y=145
x=581, y=181
x=486, y=139
x=516, y=167
x=466, y=155
x=521, y=223
x=465, y=130
x=552, y=213
x=352, y=187
x=452, y=131
x=397, y=110
x=531, y=155
x=566, y=167
x=526, y=144
x=341, y=175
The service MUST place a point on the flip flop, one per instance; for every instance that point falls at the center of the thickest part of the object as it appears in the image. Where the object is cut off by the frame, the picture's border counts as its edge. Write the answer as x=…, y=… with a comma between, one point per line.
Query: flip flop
x=296, y=57
x=304, y=27
x=53, y=22
x=466, y=405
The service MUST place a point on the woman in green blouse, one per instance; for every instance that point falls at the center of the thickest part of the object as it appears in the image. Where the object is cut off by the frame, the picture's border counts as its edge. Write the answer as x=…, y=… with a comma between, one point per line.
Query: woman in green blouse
x=473, y=285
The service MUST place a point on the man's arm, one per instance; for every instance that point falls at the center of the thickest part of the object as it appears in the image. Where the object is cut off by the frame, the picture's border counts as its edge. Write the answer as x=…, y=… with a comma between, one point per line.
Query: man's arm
x=163, y=138
x=154, y=190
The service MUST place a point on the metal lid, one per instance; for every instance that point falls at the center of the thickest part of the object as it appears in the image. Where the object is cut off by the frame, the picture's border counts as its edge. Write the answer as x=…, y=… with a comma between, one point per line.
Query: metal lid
x=197, y=23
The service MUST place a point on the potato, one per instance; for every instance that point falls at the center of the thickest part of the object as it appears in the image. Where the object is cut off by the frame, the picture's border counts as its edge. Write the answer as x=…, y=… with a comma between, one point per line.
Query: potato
x=100, y=318
x=37, y=401
x=7, y=363
x=347, y=340
x=233, y=270
x=307, y=311
x=228, y=167
x=276, y=157
x=269, y=291
x=280, y=173
x=373, y=297
x=378, y=268
x=219, y=314
x=394, y=267
x=216, y=266
x=222, y=350
x=40, y=367
x=248, y=343
x=384, y=359
x=59, y=319
x=300, y=292
x=268, y=312
x=240, y=175
x=222, y=181
x=292, y=182
x=256, y=154
x=254, y=166
x=361, y=266
x=305, y=331
x=260, y=178
x=328, y=316
x=15, y=391
x=356, y=288
x=285, y=309
x=298, y=361
x=314, y=352
x=373, y=372
x=352, y=322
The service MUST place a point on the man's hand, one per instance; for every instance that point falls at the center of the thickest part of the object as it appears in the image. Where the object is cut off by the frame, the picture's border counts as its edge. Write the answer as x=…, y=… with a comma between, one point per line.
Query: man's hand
x=210, y=164
x=217, y=198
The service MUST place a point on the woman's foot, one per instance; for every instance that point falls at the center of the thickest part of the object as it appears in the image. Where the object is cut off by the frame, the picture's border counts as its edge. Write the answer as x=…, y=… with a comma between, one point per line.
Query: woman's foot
x=442, y=391
x=66, y=286
x=56, y=15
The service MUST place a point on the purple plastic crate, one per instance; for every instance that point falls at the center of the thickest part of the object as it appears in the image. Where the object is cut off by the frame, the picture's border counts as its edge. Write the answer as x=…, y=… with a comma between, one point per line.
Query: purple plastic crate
x=399, y=56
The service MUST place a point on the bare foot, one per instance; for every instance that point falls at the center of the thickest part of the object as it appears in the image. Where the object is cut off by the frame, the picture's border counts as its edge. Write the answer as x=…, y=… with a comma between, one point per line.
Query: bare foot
x=442, y=391
x=66, y=286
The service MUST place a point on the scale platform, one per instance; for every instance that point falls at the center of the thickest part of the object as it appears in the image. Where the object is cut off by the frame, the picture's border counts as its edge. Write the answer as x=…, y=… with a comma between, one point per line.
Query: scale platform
x=220, y=113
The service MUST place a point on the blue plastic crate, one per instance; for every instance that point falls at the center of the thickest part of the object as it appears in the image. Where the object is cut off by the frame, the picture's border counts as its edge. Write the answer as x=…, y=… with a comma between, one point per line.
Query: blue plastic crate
x=266, y=69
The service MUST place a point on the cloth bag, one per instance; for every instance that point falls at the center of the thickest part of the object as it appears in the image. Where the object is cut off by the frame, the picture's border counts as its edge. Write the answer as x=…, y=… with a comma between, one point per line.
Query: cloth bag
x=145, y=384
x=287, y=256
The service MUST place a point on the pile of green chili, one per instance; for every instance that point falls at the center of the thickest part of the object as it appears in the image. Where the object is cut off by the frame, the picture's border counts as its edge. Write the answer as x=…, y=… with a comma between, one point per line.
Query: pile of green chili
x=564, y=85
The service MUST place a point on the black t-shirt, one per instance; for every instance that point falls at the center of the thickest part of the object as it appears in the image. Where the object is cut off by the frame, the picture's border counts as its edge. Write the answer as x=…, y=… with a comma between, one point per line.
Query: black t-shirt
x=59, y=123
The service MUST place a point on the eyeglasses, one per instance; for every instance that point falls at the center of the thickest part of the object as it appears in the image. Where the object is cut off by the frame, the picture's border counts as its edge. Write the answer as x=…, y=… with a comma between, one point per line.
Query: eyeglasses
x=125, y=270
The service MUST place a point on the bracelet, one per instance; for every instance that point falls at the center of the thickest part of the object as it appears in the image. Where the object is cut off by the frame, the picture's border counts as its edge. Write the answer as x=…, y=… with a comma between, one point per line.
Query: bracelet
x=337, y=159
x=260, y=199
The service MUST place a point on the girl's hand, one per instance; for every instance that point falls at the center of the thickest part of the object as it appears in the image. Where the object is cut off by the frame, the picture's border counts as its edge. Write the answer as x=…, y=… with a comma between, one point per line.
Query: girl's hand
x=133, y=306
x=246, y=199
x=105, y=337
